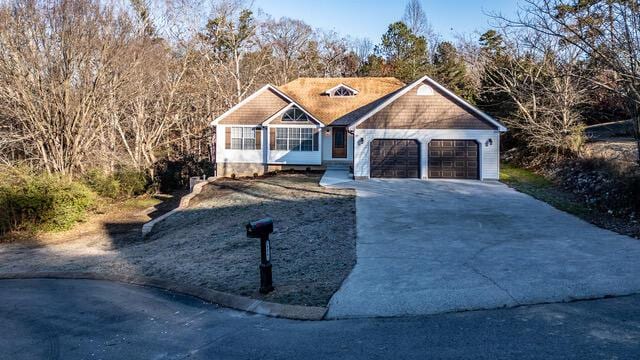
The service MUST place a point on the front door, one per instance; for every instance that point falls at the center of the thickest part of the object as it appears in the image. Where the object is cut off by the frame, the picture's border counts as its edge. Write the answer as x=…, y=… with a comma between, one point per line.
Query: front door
x=339, y=142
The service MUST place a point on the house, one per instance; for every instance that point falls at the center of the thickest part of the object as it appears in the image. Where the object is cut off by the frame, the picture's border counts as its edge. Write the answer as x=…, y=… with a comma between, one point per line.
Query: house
x=378, y=126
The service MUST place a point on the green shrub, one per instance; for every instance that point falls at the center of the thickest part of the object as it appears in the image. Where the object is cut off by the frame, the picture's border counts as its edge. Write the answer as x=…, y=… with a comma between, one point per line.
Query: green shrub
x=123, y=183
x=132, y=182
x=102, y=183
x=42, y=202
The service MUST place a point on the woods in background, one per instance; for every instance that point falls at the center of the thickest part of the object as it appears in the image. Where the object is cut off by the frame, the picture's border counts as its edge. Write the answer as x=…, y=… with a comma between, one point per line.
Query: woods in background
x=88, y=84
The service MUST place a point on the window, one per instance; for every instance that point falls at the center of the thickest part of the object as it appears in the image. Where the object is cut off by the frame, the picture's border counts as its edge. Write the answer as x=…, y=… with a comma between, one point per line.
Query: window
x=343, y=91
x=294, y=139
x=243, y=138
x=306, y=140
x=425, y=90
x=282, y=136
x=295, y=114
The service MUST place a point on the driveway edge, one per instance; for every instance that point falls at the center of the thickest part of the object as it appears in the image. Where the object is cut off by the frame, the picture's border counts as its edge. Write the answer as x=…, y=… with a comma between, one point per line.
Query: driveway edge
x=237, y=302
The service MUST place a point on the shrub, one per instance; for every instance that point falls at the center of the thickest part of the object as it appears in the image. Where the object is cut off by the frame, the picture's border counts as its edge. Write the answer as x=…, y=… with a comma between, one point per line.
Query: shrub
x=42, y=202
x=103, y=184
x=174, y=174
x=602, y=185
x=123, y=183
x=132, y=182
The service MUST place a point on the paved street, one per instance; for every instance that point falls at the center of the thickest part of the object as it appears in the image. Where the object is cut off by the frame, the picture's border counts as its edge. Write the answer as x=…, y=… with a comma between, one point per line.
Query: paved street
x=85, y=319
x=436, y=246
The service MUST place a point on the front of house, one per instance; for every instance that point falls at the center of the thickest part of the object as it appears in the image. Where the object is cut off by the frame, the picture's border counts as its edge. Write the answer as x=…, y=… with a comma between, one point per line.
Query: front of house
x=380, y=127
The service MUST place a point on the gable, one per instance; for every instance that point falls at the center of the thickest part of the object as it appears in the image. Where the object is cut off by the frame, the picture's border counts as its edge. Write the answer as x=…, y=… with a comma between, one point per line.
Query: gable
x=280, y=119
x=436, y=111
x=256, y=110
x=312, y=94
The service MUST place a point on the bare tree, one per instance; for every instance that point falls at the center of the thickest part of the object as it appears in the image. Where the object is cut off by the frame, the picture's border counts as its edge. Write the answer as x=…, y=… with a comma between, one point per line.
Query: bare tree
x=541, y=78
x=289, y=39
x=55, y=64
x=363, y=48
x=607, y=31
x=235, y=50
x=416, y=19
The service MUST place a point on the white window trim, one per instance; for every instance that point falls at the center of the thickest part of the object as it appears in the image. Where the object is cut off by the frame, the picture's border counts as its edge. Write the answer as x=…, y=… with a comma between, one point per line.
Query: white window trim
x=279, y=114
x=295, y=108
x=331, y=91
x=300, y=139
x=425, y=90
x=243, y=139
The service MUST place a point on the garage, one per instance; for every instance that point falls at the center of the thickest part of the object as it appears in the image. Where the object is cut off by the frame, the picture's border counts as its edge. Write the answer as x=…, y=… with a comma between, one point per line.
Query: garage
x=395, y=158
x=453, y=159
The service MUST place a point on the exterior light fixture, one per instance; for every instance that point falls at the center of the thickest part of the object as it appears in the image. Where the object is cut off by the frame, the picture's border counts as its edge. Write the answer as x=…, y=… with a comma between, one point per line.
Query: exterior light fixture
x=360, y=141
x=488, y=143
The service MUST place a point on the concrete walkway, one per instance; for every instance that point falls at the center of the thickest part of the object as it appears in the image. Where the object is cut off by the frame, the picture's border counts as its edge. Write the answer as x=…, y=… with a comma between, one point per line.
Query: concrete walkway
x=85, y=319
x=336, y=176
x=429, y=247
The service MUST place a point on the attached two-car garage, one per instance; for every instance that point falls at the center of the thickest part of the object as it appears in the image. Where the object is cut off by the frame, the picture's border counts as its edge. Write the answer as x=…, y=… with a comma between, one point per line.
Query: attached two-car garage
x=447, y=159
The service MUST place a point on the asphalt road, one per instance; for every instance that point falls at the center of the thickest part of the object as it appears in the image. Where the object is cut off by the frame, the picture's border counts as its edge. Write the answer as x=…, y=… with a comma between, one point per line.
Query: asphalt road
x=88, y=319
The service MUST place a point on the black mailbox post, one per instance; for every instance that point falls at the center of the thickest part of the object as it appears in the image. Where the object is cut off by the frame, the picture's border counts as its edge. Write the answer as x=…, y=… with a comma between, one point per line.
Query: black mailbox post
x=261, y=229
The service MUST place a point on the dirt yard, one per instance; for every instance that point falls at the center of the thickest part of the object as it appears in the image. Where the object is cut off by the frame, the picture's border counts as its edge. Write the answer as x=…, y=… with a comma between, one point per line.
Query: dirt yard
x=313, y=246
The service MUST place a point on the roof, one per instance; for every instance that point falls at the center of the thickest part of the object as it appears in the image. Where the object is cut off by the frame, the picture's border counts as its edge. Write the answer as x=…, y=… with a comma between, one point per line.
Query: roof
x=373, y=95
x=425, y=79
x=355, y=115
x=310, y=92
x=255, y=95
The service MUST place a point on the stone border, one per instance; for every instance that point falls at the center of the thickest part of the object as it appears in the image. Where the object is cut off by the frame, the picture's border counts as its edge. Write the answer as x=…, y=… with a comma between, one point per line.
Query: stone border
x=184, y=203
x=237, y=302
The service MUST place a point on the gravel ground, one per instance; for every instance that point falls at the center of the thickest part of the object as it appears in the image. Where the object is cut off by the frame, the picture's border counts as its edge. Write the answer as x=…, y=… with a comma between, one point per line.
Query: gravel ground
x=313, y=245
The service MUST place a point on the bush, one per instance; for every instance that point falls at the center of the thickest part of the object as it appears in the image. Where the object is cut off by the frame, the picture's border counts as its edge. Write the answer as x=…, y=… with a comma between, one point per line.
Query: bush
x=132, y=182
x=602, y=185
x=103, y=184
x=41, y=202
x=174, y=174
x=123, y=183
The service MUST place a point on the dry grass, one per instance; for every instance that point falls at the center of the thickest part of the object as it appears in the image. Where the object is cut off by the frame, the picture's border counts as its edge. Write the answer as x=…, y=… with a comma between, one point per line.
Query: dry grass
x=313, y=247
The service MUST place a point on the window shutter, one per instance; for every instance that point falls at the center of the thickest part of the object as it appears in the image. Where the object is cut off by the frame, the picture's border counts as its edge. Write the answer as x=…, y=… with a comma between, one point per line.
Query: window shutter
x=227, y=138
x=272, y=138
x=258, y=138
x=316, y=136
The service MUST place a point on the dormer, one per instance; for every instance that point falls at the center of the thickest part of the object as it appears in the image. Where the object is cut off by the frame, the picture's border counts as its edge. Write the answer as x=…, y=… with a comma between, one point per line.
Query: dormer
x=341, y=90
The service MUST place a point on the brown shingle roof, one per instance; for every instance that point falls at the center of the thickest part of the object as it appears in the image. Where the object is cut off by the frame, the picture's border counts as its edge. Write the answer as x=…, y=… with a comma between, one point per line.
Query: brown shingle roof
x=308, y=92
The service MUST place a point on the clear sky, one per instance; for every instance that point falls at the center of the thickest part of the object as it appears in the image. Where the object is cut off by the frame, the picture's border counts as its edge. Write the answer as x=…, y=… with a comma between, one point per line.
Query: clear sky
x=370, y=18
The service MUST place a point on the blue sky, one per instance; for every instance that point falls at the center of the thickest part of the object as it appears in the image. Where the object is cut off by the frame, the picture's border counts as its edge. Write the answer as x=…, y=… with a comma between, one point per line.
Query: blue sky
x=370, y=18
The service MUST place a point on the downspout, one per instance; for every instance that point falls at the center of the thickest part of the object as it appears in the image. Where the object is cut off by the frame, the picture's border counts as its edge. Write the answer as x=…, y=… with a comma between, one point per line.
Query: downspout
x=213, y=150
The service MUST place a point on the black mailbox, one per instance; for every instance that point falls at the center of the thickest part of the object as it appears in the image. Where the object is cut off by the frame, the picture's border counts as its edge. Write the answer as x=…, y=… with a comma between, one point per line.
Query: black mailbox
x=261, y=229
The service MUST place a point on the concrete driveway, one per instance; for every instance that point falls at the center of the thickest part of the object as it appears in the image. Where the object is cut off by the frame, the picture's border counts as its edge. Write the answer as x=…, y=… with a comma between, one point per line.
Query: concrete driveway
x=428, y=247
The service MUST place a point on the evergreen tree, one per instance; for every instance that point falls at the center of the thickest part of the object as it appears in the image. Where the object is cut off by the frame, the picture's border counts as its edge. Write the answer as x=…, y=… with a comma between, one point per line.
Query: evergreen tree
x=497, y=104
x=404, y=53
x=449, y=69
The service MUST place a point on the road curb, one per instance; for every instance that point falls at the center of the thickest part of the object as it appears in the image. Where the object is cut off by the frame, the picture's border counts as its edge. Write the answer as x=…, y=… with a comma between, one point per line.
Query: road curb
x=237, y=302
